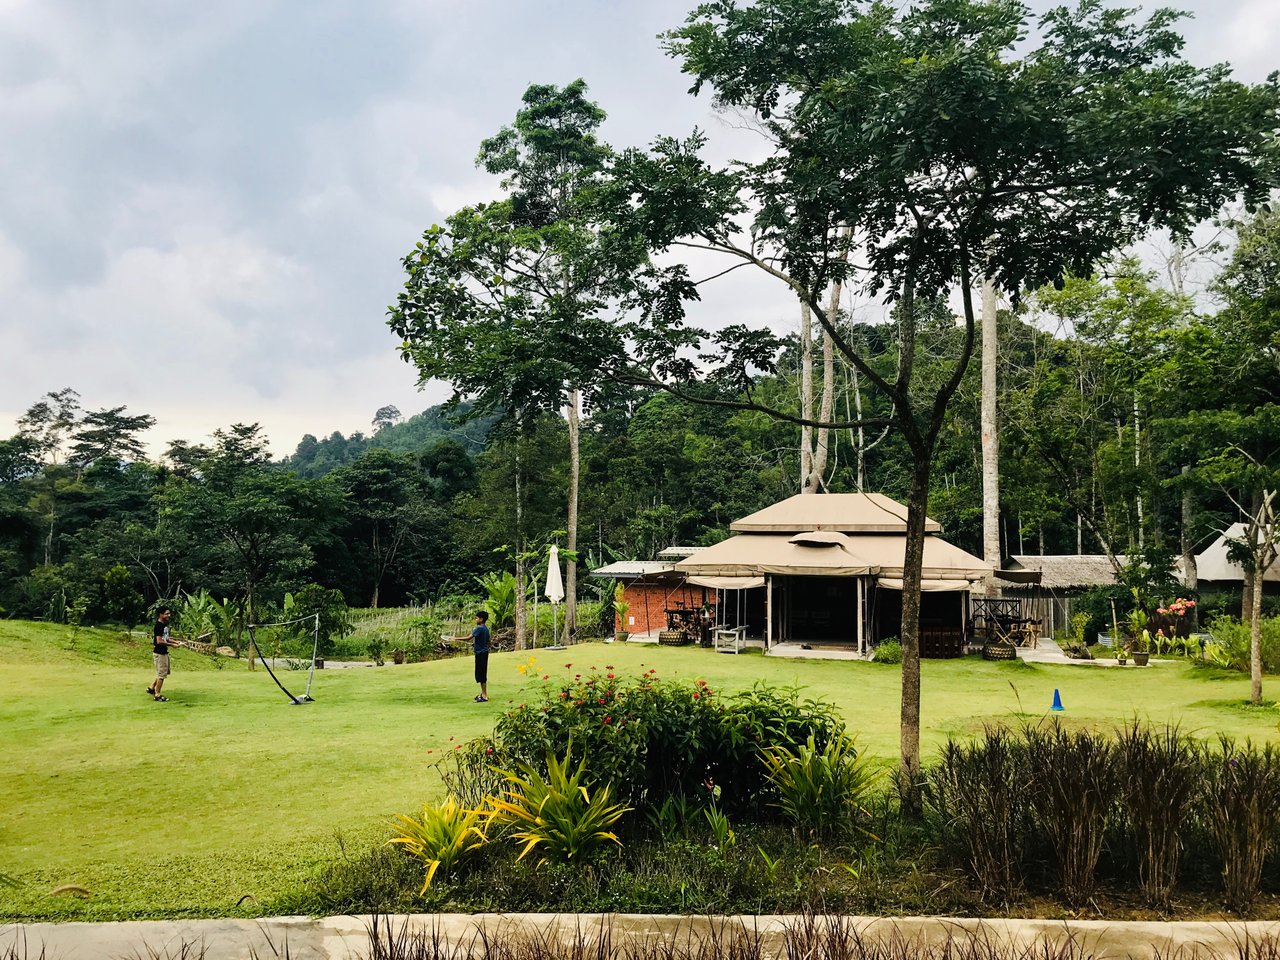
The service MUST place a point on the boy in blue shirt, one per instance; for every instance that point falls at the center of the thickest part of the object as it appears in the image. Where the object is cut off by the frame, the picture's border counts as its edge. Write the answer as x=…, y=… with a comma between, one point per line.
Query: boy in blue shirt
x=480, y=646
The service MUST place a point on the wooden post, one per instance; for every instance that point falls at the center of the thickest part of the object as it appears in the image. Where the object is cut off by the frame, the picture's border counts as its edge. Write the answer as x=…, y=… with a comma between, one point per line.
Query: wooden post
x=768, y=612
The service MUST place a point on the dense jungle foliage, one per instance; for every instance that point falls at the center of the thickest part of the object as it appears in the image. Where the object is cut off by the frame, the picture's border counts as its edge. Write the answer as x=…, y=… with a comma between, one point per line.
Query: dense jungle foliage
x=1131, y=420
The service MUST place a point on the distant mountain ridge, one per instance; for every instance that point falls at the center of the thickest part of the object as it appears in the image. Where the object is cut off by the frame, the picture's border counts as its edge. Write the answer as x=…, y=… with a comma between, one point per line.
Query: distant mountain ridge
x=315, y=457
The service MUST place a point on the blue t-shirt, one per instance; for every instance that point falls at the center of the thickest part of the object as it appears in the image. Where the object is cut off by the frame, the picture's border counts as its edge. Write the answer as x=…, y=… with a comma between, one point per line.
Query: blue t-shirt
x=480, y=639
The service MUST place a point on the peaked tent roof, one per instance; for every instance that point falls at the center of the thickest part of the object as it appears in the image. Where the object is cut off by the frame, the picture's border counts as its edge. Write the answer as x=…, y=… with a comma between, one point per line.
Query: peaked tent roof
x=852, y=555
x=844, y=512
x=1213, y=564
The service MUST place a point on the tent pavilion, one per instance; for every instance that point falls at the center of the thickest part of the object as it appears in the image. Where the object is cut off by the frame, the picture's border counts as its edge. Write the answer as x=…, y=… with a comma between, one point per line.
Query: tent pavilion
x=1216, y=571
x=826, y=568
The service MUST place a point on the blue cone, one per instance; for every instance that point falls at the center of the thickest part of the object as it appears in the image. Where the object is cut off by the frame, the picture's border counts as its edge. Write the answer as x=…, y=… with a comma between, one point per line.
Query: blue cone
x=1057, y=700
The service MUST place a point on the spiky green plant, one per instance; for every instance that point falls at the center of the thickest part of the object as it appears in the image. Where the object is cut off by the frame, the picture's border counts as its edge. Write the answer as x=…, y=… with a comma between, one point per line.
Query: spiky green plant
x=820, y=789
x=556, y=816
x=444, y=837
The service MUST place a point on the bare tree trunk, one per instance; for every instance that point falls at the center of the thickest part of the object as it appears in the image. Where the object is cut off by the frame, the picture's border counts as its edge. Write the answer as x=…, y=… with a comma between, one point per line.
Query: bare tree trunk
x=912, y=572
x=521, y=604
x=861, y=443
x=1190, y=573
x=822, y=447
x=990, y=438
x=571, y=531
x=1255, y=636
x=1262, y=537
x=1137, y=462
x=806, y=397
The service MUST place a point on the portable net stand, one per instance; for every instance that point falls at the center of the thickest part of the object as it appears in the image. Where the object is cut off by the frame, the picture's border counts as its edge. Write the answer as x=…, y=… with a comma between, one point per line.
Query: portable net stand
x=315, y=647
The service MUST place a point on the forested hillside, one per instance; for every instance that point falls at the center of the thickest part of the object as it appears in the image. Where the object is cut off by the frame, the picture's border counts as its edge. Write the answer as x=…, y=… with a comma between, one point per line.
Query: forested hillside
x=1131, y=421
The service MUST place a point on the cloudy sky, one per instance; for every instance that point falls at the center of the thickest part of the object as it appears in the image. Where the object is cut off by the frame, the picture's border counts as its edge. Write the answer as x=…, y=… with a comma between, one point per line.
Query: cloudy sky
x=203, y=206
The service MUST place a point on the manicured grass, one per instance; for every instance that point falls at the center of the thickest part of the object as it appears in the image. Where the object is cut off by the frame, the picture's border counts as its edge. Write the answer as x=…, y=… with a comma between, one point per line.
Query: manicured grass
x=228, y=791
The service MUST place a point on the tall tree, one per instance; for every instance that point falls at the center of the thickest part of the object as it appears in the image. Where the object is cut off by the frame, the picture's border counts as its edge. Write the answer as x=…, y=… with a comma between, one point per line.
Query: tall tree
x=384, y=497
x=496, y=301
x=109, y=434
x=954, y=152
x=50, y=420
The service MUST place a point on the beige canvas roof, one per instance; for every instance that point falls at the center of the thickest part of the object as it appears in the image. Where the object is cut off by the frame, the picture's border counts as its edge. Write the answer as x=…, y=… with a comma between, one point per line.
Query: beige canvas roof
x=852, y=555
x=847, y=512
x=1214, y=565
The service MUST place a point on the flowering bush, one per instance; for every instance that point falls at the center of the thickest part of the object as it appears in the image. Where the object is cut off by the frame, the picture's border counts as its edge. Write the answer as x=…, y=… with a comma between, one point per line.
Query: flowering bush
x=653, y=739
x=1171, y=620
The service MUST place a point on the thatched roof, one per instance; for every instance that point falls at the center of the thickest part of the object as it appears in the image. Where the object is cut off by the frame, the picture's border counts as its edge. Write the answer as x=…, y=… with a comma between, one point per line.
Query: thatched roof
x=1067, y=572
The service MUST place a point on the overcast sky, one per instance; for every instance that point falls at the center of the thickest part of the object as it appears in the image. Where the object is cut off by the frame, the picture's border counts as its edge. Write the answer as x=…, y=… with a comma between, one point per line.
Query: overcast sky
x=203, y=206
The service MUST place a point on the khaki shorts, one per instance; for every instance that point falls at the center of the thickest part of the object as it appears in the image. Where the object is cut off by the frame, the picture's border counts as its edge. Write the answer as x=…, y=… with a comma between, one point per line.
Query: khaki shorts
x=162, y=664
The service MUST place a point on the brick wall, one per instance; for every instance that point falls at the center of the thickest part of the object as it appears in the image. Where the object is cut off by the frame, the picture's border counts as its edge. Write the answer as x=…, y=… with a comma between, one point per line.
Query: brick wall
x=650, y=599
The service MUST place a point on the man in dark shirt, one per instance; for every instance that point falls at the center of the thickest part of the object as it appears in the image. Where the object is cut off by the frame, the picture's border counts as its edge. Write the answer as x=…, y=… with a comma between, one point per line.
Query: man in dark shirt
x=480, y=646
x=160, y=653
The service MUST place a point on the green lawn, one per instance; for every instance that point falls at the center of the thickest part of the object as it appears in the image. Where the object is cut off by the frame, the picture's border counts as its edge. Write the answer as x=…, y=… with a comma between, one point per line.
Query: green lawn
x=186, y=807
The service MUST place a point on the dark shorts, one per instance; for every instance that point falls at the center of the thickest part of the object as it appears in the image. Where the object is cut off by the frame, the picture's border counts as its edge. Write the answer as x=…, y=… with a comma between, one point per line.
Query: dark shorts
x=482, y=667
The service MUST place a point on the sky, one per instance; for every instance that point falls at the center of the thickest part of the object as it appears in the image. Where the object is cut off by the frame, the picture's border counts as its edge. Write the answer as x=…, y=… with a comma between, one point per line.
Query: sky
x=204, y=206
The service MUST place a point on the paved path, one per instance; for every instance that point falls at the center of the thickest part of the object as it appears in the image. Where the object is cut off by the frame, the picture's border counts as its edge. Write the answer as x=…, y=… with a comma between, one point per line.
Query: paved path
x=347, y=938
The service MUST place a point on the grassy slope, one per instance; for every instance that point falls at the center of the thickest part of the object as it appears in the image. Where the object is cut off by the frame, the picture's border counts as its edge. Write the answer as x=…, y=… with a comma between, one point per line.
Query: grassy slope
x=182, y=808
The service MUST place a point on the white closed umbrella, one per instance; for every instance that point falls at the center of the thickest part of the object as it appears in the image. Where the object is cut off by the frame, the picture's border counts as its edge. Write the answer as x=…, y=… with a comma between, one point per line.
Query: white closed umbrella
x=554, y=591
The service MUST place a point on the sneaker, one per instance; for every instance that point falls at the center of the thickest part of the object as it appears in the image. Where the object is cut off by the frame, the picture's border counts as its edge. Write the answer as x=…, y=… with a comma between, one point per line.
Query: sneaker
x=480, y=699
x=160, y=699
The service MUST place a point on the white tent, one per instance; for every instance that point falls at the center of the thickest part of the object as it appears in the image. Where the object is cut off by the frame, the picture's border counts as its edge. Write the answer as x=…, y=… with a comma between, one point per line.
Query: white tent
x=1213, y=563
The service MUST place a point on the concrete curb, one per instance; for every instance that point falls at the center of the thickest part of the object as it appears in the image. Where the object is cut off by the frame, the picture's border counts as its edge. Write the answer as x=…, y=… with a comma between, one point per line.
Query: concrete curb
x=346, y=938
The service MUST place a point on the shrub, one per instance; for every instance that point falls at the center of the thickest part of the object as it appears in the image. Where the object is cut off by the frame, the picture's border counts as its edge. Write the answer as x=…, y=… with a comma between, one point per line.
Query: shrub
x=330, y=606
x=889, y=651
x=442, y=838
x=820, y=789
x=1158, y=776
x=1233, y=636
x=754, y=721
x=1241, y=789
x=556, y=816
x=1074, y=783
x=653, y=739
x=979, y=794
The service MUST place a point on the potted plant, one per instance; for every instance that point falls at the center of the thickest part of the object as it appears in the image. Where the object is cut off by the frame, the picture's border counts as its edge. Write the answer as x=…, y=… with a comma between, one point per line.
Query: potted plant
x=1141, y=649
x=620, y=607
x=1122, y=655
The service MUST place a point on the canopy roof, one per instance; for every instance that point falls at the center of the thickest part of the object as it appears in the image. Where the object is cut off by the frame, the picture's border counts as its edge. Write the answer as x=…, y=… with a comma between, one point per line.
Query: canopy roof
x=1213, y=564
x=632, y=569
x=846, y=512
x=850, y=555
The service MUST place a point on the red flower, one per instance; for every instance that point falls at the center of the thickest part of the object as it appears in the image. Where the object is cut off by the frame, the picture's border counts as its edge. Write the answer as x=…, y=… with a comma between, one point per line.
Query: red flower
x=696, y=694
x=611, y=676
x=608, y=719
x=458, y=747
x=601, y=700
x=546, y=676
x=489, y=751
